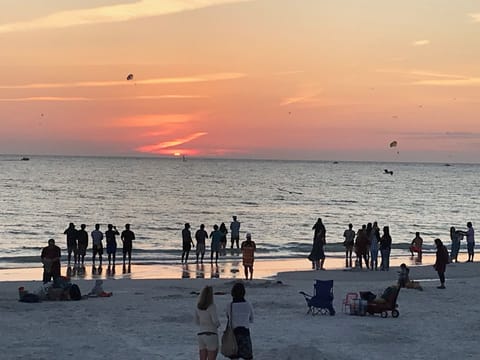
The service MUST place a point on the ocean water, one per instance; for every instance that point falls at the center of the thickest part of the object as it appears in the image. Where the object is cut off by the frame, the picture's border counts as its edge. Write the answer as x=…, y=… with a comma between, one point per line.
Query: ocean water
x=277, y=201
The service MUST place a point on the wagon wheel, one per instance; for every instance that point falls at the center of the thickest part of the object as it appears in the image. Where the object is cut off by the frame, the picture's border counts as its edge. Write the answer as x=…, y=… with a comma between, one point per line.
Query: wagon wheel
x=395, y=313
x=384, y=314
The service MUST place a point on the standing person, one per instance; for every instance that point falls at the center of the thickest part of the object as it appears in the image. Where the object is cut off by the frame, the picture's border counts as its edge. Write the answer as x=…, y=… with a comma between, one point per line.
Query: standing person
x=82, y=237
x=240, y=313
x=248, y=252
x=97, y=237
x=127, y=238
x=470, y=234
x=207, y=319
x=317, y=255
x=51, y=261
x=349, y=236
x=187, y=242
x=111, y=243
x=455, y=237
x=235, y=231
x=373, y=240
x=441, y=262
x=223, y=241
x=201, y=236
x=361, y=246
x=71, y=233
x=216, y=236
x=385, y=248
x=416, y=245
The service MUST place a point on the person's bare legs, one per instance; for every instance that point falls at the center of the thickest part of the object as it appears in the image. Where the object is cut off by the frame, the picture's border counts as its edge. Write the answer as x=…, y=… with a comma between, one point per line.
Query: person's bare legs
x=212, y=355
x=203, y=354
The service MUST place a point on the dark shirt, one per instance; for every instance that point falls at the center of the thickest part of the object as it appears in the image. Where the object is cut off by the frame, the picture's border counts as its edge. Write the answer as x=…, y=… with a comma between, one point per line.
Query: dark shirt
x=71, y=236
x=127, y=236
x=186, y=236
x=201, y=236
x=52, y=252
x=82, y=237
x=110, y=237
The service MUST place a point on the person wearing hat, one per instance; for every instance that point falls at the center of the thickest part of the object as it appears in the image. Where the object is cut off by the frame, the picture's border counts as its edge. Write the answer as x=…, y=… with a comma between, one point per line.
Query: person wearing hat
x=248, y=249
x=51, y=261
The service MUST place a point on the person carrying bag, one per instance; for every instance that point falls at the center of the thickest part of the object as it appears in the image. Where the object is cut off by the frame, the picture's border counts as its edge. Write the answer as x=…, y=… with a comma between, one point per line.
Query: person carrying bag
x=229, y=342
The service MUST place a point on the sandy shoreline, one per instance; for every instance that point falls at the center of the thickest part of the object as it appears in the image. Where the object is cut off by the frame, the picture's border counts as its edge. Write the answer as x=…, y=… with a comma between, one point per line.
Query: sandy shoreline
x=153, y=319
x=226, y=269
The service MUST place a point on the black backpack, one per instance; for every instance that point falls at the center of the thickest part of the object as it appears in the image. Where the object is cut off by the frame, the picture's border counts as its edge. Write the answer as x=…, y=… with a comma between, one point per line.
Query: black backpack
x=75, y=293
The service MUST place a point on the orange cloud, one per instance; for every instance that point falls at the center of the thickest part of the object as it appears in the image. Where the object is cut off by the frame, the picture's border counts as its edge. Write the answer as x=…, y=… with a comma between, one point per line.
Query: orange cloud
x=45, y=98
x=153, y=120
x=160, y=147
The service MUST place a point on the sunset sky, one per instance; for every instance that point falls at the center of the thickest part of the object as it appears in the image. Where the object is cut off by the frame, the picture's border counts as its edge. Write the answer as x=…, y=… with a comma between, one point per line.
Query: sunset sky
x=275, y=79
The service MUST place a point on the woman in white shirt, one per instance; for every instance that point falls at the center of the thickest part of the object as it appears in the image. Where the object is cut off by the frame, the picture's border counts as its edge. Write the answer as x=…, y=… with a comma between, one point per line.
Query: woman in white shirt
x=207, y=320
x=241, y=313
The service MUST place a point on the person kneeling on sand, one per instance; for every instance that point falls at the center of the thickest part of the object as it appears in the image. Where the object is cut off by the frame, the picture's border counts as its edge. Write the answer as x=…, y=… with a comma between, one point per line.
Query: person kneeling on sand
x=404, y=279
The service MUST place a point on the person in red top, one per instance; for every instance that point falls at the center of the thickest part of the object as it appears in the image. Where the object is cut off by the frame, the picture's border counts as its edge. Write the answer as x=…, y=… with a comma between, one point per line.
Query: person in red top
x=248, y=249
x=51, y=261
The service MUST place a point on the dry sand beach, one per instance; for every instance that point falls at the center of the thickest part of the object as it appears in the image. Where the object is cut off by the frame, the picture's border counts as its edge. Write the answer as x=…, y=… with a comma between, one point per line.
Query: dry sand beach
x=153, y=319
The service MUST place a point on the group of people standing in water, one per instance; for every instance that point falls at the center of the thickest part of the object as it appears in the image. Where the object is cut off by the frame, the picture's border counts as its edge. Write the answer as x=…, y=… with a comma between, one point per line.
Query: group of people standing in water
x=368, y=241
x=218, y=244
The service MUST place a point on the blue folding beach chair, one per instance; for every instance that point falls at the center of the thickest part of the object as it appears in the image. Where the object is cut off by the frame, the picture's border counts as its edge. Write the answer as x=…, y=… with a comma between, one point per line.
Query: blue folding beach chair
x=321, y=302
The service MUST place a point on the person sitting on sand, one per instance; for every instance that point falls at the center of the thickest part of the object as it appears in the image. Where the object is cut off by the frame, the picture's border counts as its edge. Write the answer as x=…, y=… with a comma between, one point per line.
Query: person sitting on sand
x=248, y=250
x=416, y=245
x=404, y=279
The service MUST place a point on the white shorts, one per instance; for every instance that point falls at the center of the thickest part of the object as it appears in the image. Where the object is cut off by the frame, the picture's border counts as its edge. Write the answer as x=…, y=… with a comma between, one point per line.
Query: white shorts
x=208, y=342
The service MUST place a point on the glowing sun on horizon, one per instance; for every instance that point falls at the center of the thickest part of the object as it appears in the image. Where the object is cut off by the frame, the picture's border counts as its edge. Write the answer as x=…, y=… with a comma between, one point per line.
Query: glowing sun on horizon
x=177, y=154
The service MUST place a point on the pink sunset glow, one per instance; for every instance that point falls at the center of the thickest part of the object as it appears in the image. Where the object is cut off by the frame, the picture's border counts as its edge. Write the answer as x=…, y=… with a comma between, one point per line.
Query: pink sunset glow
x=312, y=80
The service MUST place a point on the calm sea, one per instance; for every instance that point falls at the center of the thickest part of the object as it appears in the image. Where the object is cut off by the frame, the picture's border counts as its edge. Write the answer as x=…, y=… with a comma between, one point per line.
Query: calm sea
x=277, y=201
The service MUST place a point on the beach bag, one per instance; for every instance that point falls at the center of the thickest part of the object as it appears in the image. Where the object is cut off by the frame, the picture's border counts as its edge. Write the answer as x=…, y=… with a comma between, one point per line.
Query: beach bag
x=229, y=342
x=75, y=293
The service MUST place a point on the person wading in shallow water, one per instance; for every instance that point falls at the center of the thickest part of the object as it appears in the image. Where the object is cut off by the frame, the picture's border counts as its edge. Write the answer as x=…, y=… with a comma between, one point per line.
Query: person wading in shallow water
x=187, y=242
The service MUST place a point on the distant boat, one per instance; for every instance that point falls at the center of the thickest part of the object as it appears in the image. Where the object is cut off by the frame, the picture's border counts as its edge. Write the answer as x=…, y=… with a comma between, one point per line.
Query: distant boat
x=335, y=162
x=448, y=165
x=25, y=159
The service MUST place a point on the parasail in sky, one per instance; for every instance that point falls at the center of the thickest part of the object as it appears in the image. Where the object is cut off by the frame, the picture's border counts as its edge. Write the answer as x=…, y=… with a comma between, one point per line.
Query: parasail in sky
x=393, y=144
x=130, y=77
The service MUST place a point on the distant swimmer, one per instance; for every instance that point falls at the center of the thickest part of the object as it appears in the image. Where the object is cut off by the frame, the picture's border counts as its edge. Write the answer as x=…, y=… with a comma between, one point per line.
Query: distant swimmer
x=386, y=171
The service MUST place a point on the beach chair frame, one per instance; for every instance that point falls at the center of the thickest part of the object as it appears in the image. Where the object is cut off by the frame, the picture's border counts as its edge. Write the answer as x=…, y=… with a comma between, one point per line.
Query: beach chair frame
x=321, y=302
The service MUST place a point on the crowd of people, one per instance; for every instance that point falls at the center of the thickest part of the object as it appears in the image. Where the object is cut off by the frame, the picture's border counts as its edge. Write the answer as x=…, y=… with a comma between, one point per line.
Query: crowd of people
x=77, y=245
x=368, y=241
x=218, y=244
